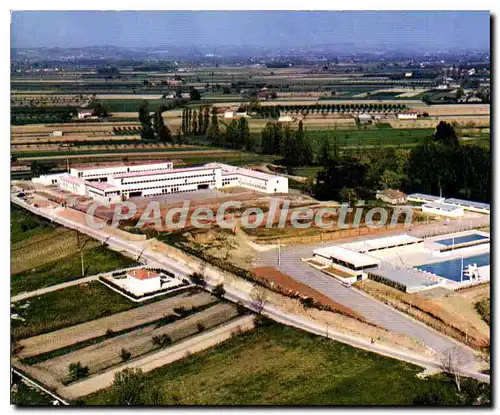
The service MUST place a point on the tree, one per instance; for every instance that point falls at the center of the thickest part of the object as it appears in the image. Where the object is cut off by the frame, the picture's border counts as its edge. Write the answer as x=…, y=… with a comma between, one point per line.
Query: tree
x=244, y=135
x=147, y=131
x=325, y=156
x=77, y=371
x=162, y=132
x=125, y=355
x=200, y=122
x=194, y=94
x=206, y=120
x=130, y=387
x=213, y=132
x=452, y=361
x=100, y=109
x=194, y=126
x=348, y=194
x=232, y=134
x=219, y=291
x=198, y=279
x=445, y=134
x=259, y=298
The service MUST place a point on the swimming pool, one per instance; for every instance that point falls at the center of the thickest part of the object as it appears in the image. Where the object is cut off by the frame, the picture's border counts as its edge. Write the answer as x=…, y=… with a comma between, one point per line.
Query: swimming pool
x=451, y=269
x=461, y=239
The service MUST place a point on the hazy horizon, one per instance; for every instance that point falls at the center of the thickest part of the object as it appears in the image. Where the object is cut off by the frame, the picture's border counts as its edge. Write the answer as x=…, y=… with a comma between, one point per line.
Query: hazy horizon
x=433, y=31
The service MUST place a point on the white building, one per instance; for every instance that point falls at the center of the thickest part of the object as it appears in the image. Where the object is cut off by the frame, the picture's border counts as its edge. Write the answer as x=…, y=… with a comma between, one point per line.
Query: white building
x=162, y=182
x=141, y=281
x=469, y=205
x=107, y=172
x=85, y=113
x=349, y=262
x=409, y=115
x=423, y=198
x=251, y=179
x=364, y=118
x=119, y=182
x=73, y=185
x=443, y=209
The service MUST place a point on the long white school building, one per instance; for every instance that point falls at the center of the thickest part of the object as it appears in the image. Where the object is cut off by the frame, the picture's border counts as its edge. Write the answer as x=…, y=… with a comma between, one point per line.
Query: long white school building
x=112, y=184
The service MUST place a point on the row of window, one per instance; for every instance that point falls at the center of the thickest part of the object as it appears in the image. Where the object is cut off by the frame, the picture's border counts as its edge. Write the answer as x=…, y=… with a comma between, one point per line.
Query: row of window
x=160, y=187
x=125, y=181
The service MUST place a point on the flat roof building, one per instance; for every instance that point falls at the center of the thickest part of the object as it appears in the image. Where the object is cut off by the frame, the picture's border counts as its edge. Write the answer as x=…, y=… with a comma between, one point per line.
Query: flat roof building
x=347, y=258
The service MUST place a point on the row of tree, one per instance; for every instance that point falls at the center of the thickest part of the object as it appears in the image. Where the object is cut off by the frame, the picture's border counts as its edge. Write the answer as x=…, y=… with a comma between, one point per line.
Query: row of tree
x=153, y=127
x=293, y=146
x=195, y=122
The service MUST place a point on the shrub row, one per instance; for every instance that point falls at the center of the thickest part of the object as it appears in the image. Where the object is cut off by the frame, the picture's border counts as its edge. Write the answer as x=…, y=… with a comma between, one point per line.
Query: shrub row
x=399, y=286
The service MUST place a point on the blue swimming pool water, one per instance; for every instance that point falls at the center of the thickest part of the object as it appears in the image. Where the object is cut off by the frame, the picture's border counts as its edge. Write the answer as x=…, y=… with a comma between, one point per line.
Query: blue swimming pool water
x=451, y=269
x=461, y=239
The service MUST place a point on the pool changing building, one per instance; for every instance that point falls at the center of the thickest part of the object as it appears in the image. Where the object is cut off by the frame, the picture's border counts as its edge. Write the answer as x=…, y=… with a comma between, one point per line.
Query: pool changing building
x=116, y=183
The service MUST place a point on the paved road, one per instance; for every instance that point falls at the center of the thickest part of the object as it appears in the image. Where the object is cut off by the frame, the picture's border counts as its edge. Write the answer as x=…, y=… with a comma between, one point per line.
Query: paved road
x=370, y=308
x=355, y=299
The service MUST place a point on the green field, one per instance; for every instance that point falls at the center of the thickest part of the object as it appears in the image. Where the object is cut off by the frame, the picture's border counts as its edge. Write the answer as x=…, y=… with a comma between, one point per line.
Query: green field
x=96, y=260
x=66, y=307
x=132, y=105
x=280, y=365
x=29, y=396
x=24, y=225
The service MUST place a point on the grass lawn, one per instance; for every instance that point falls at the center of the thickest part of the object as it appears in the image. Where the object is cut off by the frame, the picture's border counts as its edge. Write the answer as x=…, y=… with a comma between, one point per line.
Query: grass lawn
x=282, y=365
x=24, y=225
x=29, y=396
x=96, y=259
x=67, y=307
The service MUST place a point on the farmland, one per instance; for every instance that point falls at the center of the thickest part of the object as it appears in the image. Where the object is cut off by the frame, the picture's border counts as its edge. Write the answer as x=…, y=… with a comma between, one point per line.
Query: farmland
x=66, y=307
x=279, y=365
x=44, y=254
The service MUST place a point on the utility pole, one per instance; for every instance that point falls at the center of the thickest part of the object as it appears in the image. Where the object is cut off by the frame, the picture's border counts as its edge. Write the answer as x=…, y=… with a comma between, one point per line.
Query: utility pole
x=279, y=253
x=81, y=250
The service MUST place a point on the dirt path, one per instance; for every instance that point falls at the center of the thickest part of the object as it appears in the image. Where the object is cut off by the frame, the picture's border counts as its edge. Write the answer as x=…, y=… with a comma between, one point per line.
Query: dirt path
x=120, y=321
x=105, y=354
x=163, y=357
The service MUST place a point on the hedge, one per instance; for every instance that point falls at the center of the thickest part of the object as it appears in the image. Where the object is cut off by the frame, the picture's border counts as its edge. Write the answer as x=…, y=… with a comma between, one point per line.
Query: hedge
x=399, y=286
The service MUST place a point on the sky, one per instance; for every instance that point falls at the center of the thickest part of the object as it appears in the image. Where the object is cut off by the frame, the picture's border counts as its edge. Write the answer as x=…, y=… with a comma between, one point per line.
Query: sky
x=431, y=30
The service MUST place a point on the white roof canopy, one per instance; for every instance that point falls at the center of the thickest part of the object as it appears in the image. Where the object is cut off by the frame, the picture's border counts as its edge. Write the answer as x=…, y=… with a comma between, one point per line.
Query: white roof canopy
x=355, y=258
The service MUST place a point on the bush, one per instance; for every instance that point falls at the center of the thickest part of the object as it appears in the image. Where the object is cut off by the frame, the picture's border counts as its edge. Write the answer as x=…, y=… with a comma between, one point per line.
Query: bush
x=388, y=282
x=198, y=279
x=125, y=355
x=240, y=308
x=181, y=311
x=77, y=371
x=219, y=291
x=162, y=340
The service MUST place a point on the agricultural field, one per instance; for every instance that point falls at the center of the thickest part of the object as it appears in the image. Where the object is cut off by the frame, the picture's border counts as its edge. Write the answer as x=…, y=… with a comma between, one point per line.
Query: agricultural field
x=101, y=330
x=66, y=307
x=43, y=254
x=24, y=225
x=280, y=365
